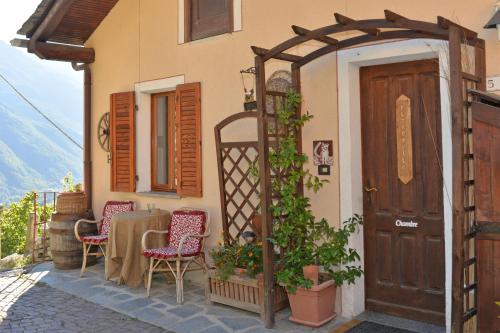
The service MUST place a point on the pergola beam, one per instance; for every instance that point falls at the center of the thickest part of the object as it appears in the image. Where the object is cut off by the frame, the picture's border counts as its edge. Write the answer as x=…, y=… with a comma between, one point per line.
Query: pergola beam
x=280, y=56
x=444, y=23
x=324, y=39
x=344, y=20
x=393, y=17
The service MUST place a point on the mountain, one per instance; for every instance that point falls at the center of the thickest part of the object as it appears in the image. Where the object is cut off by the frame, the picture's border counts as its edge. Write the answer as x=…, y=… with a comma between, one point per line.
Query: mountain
x=33, y=154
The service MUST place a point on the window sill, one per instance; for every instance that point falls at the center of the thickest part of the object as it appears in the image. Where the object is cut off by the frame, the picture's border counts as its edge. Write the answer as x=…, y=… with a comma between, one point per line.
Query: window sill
x=166, y=195
x=225, y=35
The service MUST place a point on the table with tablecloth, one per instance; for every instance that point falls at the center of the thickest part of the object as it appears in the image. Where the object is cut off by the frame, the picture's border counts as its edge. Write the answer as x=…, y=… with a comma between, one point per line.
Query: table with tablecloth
x=125, y=262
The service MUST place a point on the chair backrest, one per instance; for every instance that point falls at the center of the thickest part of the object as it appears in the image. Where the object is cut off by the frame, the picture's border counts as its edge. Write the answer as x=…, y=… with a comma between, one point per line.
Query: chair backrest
x=110, y=209
x=188, y=221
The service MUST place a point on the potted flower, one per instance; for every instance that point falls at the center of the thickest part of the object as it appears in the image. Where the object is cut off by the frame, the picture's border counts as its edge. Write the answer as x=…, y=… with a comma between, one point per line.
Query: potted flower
x=237, y=279
x=308, y=245
x=72, y=199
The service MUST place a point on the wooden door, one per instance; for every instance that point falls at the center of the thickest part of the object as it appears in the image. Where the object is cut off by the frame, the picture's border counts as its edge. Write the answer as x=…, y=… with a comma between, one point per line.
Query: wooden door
x=486, y=147
x=403, y=190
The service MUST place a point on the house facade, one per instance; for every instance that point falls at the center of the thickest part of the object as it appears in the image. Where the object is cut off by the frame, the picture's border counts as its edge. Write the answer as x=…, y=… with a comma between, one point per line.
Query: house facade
x=170, y=71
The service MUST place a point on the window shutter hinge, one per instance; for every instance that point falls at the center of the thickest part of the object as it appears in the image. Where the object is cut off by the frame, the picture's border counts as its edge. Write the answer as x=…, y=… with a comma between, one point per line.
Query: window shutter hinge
x=136, y=178
x=136, y=107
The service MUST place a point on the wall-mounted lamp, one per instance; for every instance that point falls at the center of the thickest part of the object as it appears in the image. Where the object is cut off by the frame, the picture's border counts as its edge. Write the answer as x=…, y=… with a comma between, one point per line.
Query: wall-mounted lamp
x=494, y=22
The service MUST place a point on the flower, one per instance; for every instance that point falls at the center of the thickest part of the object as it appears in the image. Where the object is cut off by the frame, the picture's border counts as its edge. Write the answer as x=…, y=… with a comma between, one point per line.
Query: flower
x=250, y=254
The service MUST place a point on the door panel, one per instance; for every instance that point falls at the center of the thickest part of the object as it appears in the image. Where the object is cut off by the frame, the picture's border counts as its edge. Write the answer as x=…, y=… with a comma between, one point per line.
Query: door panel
x=403, y=197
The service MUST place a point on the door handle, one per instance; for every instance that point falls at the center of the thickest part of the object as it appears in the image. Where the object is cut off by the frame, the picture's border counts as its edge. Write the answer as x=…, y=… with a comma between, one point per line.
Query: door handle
x=370, y=189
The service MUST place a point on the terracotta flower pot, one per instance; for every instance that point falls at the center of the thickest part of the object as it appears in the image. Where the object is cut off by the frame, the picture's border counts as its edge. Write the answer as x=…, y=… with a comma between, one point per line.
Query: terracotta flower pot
x=311, y=272
x=313, y=307
x=256, y=225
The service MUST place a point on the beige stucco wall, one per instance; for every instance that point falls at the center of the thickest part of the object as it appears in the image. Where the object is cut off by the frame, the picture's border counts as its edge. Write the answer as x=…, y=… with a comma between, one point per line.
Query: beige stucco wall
x=138, y=41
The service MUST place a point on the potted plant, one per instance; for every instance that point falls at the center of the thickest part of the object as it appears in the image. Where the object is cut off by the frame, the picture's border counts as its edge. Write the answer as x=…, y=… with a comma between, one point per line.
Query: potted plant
x=307, y=244
x=237, y=279
x=71, y=200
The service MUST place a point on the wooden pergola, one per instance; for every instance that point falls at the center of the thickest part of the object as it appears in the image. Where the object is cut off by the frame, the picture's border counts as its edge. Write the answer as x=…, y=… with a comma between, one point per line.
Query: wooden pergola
x=392, y=27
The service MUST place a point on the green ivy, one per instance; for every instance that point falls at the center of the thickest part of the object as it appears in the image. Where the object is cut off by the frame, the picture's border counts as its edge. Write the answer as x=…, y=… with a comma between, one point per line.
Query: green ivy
x=304, y=240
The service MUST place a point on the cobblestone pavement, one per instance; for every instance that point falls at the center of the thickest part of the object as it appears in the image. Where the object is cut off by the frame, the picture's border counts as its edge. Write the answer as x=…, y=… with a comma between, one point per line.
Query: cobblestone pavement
x=29, y=307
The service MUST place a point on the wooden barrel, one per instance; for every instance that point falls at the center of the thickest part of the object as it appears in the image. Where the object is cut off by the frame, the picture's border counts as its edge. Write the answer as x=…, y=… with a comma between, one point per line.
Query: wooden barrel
x=67, y=251
x=71, y=203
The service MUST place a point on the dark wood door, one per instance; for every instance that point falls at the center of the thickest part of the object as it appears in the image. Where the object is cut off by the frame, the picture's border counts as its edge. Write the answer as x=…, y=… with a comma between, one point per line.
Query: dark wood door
x=403, y=190
x=486, y=147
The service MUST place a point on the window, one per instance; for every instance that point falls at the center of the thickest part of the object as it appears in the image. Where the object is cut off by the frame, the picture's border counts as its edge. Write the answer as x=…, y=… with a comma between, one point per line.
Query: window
x=173, y=138
x=206, y=18
x=162, y=142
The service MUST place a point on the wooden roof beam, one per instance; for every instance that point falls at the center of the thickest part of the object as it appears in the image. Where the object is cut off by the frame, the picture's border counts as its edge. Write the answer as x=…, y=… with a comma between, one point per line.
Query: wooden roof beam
x=344, y=20
x=280, y=56
x=59, y=52
x=444, y=23
x=393, y=17
x=324, y=39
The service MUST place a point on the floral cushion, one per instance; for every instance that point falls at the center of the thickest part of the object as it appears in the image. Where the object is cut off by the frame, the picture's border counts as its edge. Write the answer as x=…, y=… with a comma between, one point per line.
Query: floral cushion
x=98, y=239
x=169, y=252
x=186, y=223
x=110, y=209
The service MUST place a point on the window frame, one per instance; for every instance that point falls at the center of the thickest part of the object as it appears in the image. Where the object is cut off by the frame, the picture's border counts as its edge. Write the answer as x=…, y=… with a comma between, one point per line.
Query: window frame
x=171, y=185
x=188, y=35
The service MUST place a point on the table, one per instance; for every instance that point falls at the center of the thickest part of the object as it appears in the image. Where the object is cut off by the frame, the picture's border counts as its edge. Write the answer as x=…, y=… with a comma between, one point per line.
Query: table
x=125, y=262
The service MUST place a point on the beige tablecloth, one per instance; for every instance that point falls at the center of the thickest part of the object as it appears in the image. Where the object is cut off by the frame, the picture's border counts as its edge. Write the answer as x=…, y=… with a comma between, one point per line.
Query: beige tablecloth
x=125, y=262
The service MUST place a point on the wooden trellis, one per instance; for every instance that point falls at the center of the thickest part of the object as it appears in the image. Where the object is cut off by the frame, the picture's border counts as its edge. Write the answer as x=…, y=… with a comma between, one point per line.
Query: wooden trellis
x=392, y=27
x=239, y=186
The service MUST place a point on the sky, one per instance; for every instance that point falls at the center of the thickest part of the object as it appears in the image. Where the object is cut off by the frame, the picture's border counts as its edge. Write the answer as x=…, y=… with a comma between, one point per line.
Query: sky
x=13, y=13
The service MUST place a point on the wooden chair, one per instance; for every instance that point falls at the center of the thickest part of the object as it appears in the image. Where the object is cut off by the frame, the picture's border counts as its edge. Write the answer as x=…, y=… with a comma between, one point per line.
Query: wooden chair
x=186, y=237
x=104, y=227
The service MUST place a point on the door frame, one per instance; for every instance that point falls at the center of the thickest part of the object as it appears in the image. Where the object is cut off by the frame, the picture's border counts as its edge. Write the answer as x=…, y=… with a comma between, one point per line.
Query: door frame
x=350, y=154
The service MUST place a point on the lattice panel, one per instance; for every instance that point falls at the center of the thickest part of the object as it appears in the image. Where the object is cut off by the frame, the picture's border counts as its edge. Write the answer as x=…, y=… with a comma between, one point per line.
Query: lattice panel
x=241, y=186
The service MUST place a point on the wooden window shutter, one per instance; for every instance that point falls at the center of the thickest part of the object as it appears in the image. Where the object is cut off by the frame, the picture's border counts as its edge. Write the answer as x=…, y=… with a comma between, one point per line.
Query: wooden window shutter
x=188, y=140
x=207, y=18
x=122, y=127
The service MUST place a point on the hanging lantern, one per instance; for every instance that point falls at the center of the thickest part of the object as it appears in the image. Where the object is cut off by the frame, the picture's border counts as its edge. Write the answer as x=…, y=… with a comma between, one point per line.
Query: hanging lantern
x=494, y=22
x=249, y=75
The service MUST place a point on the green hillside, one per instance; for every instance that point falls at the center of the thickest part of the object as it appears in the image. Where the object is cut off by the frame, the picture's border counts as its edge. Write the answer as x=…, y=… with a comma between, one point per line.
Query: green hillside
x=33, y=154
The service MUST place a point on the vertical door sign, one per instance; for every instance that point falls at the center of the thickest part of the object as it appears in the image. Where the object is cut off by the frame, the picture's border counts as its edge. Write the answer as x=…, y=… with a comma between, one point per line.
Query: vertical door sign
x=404, y=139
x=323, y=156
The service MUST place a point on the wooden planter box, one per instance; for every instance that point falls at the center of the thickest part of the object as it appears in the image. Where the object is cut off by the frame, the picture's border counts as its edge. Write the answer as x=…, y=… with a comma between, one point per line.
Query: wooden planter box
x=243, y=292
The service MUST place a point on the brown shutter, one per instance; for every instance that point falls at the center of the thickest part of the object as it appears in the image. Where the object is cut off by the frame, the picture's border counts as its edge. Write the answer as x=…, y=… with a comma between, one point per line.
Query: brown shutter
x=188, y=140
x=209, y=18
x=123, y=142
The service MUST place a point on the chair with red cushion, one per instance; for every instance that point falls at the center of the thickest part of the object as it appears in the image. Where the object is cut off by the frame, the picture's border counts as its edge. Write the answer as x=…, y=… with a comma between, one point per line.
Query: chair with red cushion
x=186, y=236
x=101, y=239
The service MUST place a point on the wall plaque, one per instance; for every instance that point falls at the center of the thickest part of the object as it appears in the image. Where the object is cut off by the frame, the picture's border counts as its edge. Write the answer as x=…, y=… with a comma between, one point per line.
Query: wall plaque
x=404, y=139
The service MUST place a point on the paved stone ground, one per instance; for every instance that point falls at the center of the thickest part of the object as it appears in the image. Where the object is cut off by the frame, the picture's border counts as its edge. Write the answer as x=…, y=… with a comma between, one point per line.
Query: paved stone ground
x=194, y=316
x=29, y=307
x=63, y=302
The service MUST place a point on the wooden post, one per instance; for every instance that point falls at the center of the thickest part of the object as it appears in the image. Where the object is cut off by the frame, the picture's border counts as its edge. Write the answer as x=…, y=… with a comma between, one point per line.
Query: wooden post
x=456, y=103
x=480, y=63
x=265, y=192
x=296, y=84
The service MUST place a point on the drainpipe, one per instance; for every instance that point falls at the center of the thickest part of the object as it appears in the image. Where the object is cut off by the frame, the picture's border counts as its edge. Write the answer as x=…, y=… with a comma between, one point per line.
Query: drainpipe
x=87, y=131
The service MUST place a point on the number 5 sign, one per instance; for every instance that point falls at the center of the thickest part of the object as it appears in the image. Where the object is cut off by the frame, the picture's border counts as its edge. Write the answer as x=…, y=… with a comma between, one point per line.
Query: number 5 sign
x=493, y=83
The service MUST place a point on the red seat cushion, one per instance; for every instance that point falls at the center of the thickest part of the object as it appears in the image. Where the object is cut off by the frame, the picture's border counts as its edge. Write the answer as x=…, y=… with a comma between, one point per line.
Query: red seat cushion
x=111, y=208
x=183, y=223
x=98, y=239
x=168, y=252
